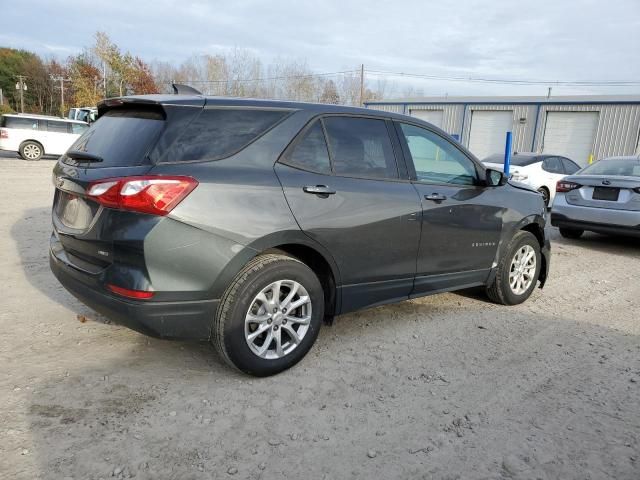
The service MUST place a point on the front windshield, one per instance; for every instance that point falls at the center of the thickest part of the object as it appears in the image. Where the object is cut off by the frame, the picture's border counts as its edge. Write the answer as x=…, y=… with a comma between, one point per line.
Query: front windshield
x=627, y=167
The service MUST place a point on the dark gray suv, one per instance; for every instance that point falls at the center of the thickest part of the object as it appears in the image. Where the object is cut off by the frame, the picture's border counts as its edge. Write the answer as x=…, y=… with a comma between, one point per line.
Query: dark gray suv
x=248, y=222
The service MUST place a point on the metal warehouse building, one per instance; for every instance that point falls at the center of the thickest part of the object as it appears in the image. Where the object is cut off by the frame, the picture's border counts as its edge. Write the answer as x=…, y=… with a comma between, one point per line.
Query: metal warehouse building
x=575, y=126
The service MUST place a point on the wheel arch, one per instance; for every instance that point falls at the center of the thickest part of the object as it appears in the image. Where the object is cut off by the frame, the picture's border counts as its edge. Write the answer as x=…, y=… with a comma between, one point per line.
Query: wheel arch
x=535, y=228
x=295, y=244
x=533, y=224
x=29, y=140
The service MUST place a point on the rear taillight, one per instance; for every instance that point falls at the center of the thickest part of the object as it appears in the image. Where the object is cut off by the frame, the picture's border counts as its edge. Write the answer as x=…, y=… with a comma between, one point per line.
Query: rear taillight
x=4, y=133
x=566, y=186
x=155, y=195
x=126, y=292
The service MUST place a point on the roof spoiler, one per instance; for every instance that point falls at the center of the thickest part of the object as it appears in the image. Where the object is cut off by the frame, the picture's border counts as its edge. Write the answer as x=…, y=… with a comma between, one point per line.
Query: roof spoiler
x=180, y=89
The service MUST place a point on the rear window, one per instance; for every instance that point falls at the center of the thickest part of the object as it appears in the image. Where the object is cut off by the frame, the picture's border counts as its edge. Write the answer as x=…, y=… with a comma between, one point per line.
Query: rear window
x=122, y=137
x=627, y=167
x=220, y=132
x=20, y=123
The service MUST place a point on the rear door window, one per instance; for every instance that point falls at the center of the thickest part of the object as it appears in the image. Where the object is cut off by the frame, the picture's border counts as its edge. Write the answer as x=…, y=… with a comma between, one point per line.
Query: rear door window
x=57, y=127
x=220, y=132
x=360, y=147
x=553, y=165
x=310, y=152
x=121, y=137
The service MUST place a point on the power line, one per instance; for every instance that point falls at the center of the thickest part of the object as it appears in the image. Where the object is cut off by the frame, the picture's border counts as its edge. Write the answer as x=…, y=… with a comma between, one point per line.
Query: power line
x=573, y=83
x=282, y=77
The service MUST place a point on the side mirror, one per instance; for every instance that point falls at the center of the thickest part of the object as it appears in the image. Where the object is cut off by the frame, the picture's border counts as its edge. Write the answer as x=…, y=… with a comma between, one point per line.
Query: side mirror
x=495, y=178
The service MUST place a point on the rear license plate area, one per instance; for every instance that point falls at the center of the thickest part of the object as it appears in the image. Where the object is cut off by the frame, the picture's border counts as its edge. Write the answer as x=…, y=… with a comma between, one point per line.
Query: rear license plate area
x=606, y=193
x=73, y=211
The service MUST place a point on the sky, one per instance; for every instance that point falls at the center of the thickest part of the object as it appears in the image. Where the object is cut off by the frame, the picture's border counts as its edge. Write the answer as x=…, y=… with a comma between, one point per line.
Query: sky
x=563, y=40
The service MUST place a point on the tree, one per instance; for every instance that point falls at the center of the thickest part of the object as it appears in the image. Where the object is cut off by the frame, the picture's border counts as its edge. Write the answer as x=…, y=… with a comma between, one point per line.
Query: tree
x=141, y=81
x=330, y=93
x=85, y=81
x=13, y=63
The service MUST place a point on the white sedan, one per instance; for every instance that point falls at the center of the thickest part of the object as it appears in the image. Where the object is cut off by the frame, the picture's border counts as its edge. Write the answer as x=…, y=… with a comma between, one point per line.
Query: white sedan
x=539, y=171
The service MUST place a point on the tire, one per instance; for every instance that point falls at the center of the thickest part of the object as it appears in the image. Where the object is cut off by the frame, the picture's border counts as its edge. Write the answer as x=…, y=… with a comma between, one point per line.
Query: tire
x=31, y=151
x=230, y=333
x=546, y=196
x=571, y=232
x=502, y=289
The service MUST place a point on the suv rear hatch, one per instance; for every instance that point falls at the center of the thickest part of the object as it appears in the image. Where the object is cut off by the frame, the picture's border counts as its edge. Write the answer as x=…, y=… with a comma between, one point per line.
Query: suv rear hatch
x=124, y=142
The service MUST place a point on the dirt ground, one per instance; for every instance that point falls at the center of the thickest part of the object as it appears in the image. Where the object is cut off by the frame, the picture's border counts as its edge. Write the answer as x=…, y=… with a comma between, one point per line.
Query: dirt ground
x=444, y=387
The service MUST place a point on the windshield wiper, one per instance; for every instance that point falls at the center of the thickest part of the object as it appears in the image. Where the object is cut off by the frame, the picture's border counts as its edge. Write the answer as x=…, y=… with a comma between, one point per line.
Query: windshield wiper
x=83, y=156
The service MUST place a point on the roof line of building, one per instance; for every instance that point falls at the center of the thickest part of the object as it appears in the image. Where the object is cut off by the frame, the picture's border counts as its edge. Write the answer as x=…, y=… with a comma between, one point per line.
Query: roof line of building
x=504, y=102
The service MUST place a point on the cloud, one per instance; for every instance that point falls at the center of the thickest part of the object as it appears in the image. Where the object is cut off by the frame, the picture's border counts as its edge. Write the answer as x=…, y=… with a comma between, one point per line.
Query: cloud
x=543, y=39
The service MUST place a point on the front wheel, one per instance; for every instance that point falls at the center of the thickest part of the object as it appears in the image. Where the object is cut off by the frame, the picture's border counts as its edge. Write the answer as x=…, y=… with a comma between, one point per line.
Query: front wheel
x=546, y=196
x=518, y=270
x=31, y=151
x=270, y=315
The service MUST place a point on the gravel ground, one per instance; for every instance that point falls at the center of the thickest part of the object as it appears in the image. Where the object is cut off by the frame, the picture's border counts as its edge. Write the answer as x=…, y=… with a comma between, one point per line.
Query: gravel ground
x=444, y=387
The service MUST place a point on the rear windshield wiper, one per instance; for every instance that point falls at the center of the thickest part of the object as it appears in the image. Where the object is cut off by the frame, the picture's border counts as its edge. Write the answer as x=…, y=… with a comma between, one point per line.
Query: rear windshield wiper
x=83, y=156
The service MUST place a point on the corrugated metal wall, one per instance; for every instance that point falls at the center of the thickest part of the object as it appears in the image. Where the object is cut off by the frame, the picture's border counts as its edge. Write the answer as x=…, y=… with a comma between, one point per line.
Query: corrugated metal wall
x=451, y=116
x=393, y=108
x=617, y=133
x=522, y=132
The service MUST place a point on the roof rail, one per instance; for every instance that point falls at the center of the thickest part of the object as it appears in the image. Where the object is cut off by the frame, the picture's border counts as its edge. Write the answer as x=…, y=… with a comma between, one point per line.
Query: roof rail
x=180, y=89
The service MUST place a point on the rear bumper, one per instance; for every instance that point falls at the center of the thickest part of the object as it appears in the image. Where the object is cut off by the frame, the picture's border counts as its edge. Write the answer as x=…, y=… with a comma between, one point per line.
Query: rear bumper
x=562, y=221
x=176, y=320
x=602, y=220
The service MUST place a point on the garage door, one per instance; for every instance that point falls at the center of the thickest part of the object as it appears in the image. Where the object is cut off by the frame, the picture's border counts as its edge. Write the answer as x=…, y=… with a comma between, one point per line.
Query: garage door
x=434, y=117
x=570, y=134
x=488, y=131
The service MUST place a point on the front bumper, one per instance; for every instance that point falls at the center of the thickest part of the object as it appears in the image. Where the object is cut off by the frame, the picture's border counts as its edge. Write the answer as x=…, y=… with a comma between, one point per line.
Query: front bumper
x=177, y=320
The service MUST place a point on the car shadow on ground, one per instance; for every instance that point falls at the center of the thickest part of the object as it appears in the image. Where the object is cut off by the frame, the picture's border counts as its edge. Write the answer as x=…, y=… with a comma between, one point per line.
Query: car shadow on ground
x=31, y=235
x=613, y=244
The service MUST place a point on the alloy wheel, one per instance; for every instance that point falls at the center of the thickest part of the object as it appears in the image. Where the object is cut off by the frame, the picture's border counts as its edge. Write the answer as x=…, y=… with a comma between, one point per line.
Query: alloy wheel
x=278, y=319
x=31, y=151
x=523, y=269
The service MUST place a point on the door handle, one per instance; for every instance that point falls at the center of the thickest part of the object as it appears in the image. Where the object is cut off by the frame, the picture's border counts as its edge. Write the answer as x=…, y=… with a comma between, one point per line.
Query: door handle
x=318, y=190
x=435, y=197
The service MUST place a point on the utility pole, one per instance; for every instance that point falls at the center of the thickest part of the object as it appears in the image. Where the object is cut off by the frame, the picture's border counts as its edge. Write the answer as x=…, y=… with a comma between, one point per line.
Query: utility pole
x=1, y=98
x=362, y=85
x=60, y=79
x=22, y=87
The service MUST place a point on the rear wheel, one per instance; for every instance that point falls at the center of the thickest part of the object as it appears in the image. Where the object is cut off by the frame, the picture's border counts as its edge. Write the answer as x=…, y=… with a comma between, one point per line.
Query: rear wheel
x=545, y=195
x=571, y=232
x=31, y=150
x=518, y=270
x=270, y=315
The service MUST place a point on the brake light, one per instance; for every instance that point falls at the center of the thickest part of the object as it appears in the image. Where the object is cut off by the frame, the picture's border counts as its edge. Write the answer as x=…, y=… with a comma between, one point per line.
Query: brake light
x=566, y=186
x=125, y=292
x=4, y=133
x=155, y=195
